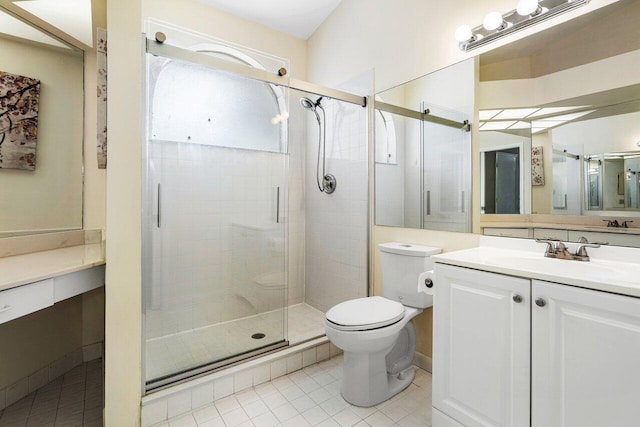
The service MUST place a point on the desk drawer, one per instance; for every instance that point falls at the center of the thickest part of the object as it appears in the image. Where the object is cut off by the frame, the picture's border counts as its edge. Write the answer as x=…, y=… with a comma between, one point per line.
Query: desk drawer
x=20, y=301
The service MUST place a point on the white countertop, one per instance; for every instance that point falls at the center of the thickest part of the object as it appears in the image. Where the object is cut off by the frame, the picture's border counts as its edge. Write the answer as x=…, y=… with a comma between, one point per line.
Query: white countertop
x=28, y=268
x=611, y=269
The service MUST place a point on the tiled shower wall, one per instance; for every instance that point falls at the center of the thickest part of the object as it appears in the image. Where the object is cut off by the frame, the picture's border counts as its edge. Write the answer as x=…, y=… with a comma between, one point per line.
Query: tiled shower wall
x=336, y=224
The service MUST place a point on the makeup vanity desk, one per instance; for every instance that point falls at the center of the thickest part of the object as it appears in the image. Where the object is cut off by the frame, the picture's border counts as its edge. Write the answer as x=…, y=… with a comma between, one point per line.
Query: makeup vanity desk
x=39, y=271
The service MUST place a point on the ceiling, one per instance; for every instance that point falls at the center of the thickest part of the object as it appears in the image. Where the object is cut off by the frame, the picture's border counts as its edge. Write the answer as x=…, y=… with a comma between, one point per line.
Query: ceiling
x=299, y=18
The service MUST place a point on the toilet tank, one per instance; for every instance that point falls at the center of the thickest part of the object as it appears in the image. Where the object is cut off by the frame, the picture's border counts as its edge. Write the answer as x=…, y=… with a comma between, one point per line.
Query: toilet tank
x=402, y=264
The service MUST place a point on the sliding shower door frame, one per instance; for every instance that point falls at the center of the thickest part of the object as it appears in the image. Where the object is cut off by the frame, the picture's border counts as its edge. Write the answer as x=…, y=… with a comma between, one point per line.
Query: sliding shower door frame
x=166, y=50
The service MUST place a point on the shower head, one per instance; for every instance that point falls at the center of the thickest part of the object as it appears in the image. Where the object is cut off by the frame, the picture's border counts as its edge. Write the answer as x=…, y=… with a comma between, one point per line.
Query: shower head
x=307, y=103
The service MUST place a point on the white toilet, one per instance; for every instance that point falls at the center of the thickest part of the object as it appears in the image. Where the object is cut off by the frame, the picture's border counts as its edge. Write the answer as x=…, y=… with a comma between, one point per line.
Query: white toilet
x=376, y=333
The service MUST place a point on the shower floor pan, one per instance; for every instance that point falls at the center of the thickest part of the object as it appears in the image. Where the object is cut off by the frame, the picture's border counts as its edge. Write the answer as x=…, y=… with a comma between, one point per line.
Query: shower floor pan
x=175, y=353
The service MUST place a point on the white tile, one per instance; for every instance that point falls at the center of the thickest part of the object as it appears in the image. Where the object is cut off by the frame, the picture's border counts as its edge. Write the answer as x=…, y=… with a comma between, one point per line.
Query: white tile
x=206, y=413
x=227, y=404
x=334, y=405
x=346, y=417
x=179, y=404
x=215, y=422
x=285, y=412
x=322, y=352
x=308, y=357
x=267, y=419
x=303, y=403
x=320, y=395
x=223, y=387
x=235, y=417
x=315, y=415
x=202, y=396
x=261, y=374
x=378, y=419
x=38, y=379
x=294, y=362
x=329, y=423
x=292, y=393
x=274, y=400
x=282, y=383
x=297, y=421
x=242, y=380
x=154, y=412
x=17, y=391
x=247, y=396
x=255, y=409
x=183, y=421
x=264, y=390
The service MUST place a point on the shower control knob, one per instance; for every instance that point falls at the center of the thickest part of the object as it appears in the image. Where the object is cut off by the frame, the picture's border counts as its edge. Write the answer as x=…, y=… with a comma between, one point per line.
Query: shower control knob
x=428, y=283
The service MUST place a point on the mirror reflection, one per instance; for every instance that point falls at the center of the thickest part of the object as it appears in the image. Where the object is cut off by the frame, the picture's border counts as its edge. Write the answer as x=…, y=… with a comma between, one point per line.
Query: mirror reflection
x=41, y=130
x=423, y=151
x=575, y=117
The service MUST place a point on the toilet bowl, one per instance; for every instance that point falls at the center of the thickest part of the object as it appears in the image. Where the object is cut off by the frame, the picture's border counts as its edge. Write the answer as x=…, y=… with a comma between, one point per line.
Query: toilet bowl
x=376, y=333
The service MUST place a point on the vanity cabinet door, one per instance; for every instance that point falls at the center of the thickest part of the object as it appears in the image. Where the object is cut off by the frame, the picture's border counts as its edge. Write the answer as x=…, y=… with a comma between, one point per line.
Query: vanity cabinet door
x=585, y=358
x=481, y=349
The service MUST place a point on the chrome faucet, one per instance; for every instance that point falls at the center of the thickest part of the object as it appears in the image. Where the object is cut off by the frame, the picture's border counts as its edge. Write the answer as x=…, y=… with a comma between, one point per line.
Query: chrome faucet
x=557, y=249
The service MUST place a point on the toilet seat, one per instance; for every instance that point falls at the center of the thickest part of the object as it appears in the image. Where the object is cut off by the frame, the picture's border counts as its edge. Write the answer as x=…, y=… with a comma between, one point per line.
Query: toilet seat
x=364, y=314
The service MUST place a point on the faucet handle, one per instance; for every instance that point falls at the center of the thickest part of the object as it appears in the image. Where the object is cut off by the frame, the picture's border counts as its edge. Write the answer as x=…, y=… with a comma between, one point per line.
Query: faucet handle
x=582, y=249
x=551, y=245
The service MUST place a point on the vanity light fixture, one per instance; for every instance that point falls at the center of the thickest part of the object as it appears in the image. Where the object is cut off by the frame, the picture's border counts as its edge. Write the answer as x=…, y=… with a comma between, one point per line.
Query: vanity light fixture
x=527, y=13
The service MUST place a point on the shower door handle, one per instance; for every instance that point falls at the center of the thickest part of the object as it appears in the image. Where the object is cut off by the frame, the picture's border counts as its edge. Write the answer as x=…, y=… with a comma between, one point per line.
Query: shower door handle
x=277, y=205
x=427, y=202
x=158, y=205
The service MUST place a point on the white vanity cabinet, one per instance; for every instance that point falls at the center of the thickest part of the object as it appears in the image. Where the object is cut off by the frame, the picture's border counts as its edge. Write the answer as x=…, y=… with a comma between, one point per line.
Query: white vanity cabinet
x=585, y=357
x=493, y=333
x=481, y=347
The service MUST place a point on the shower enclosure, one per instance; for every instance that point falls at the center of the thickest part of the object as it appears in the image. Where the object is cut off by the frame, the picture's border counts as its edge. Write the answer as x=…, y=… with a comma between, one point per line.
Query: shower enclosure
x=226, y=220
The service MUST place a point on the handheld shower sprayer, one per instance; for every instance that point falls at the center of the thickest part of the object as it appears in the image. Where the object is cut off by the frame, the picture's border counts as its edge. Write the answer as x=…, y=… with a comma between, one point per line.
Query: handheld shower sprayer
x=328, y=183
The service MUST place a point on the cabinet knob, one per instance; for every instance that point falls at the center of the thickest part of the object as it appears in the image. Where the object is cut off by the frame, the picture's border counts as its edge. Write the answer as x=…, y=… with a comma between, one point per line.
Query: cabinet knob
x=540, y=302
x=517, y=298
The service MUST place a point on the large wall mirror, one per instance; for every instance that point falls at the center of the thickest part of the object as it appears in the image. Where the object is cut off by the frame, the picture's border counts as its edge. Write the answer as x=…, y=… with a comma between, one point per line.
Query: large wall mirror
x=41, y=129
x=560, y=118
x=558, y=130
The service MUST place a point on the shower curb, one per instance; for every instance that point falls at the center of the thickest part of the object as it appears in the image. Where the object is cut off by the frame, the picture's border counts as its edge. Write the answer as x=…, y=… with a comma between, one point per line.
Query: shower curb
x=167, y=403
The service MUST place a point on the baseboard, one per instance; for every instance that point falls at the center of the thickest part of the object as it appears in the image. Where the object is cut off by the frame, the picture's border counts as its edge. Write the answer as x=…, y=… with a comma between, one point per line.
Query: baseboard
x=423, y=362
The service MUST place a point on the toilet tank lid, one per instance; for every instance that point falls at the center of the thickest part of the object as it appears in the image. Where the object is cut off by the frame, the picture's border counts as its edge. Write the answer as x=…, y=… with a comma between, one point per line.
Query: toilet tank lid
x=408, y=249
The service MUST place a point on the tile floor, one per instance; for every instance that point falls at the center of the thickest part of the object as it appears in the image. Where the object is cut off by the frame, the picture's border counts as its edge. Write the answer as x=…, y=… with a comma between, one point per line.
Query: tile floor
x=74, y=399
x=311, y=397
x=195, y=347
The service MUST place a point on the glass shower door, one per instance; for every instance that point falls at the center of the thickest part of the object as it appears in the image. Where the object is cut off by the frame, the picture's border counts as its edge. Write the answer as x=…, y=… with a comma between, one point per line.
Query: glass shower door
x=214, y=244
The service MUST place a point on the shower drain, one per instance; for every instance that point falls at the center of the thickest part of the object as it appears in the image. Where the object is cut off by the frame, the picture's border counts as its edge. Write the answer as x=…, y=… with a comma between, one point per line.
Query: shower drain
x=258, y=336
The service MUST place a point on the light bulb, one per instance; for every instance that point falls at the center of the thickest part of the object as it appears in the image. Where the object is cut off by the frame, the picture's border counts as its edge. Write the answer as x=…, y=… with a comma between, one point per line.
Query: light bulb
x=493, y=21
x=527, y=7
x=463, y=33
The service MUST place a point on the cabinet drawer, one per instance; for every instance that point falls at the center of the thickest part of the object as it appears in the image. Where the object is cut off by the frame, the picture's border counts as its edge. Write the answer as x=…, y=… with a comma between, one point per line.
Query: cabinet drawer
x=25, y=299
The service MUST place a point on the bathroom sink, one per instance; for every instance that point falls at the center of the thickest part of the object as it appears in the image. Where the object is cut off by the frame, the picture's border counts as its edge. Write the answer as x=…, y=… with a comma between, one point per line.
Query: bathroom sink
x=611, y=268
x=594, y=270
